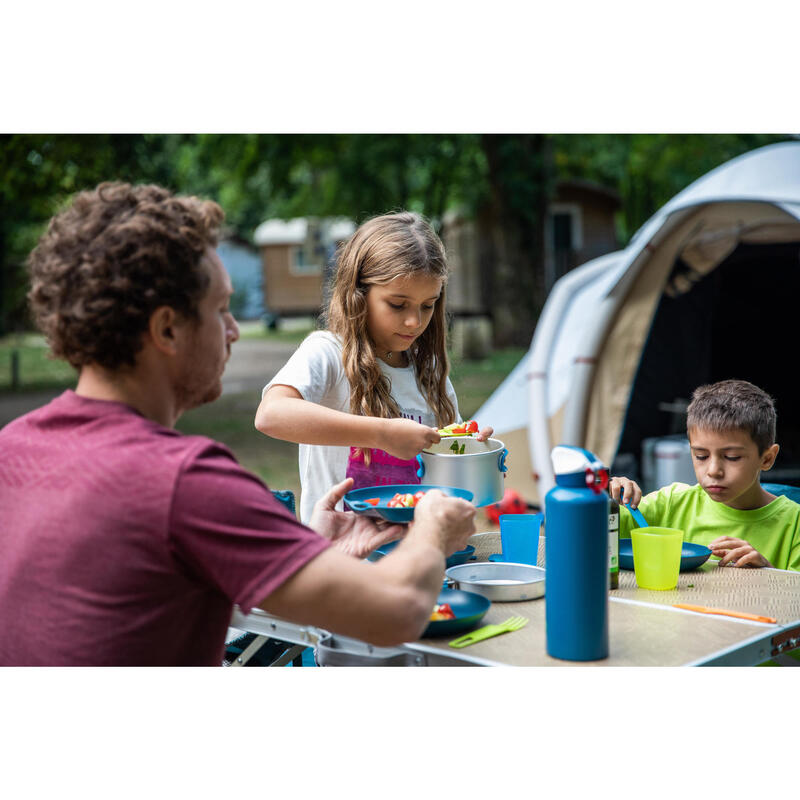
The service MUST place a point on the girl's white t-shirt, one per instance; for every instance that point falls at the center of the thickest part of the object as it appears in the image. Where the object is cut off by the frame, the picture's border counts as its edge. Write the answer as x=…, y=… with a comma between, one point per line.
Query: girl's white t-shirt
x=316, y=371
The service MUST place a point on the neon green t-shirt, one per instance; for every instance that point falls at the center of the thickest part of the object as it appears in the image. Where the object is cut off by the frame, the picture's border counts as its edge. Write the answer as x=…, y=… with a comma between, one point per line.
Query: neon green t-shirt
x=773, y=530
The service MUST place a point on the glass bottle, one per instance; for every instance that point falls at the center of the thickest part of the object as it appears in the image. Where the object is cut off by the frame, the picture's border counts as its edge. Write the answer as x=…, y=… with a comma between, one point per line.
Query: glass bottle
x=613, y=543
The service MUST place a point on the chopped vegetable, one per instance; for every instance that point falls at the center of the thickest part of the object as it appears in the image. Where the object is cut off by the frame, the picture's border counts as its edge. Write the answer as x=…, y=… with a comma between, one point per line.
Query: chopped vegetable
x=459, y=429
x=442, y=611
x=373, y=501
x=405, y=500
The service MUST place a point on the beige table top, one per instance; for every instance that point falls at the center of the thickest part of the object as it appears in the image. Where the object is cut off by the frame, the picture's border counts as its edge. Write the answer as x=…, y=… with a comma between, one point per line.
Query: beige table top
x=644, y=628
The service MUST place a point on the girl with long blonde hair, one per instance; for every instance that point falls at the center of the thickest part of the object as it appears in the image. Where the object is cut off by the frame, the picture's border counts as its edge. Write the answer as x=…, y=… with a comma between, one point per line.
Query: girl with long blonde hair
x=367, y=394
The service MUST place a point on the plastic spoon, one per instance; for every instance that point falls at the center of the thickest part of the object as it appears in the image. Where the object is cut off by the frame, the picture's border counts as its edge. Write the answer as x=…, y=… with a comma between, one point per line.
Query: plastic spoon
x=635, y=513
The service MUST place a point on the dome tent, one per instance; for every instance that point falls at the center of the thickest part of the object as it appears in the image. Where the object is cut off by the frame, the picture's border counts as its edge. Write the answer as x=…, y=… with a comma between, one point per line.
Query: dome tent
x=707, y=289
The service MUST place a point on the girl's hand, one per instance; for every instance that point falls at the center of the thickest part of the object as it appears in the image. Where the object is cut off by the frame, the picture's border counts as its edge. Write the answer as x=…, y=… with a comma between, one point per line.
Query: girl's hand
x=404, y=438
x=737, y=553
x=484, y=434
x=625, y=488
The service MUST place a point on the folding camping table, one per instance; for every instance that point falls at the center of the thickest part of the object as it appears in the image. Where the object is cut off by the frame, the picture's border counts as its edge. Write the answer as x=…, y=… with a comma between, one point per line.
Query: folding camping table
x=644, y=628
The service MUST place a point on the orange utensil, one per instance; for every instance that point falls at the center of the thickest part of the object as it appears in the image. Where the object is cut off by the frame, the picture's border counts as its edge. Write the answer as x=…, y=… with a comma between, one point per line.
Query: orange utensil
x=725, y=612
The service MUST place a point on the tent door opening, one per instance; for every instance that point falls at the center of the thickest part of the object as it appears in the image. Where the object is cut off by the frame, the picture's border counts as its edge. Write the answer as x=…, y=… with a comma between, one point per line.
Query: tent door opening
x=738, y=321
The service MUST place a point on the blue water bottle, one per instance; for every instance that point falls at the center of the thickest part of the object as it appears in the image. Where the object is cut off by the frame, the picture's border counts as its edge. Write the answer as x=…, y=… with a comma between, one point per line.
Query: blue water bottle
x=576, y=556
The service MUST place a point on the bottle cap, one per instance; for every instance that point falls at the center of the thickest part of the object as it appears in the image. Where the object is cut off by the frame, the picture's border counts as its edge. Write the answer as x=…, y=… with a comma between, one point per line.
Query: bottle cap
x=577, y=467
x=568, y=460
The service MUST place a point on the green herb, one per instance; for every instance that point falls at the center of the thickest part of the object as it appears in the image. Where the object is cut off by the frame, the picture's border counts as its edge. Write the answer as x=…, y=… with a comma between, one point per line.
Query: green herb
x=454, y=447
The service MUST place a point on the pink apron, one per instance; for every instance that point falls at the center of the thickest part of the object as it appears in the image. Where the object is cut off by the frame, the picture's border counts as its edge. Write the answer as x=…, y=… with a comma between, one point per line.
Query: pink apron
x=383, y=469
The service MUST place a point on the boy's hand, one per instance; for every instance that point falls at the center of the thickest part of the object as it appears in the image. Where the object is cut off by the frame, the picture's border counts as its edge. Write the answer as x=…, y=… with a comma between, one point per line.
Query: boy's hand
x=404, y=438
x=737, y=553
x=625, y=488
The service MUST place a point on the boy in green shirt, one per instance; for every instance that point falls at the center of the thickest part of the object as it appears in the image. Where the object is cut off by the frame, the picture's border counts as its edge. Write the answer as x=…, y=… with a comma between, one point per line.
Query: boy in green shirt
x=731, y=429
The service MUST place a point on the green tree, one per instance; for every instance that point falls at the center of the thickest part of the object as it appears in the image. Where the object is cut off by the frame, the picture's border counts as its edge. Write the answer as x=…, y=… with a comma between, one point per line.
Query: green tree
x=648, y=169
x=503, y=181
x=38, y=173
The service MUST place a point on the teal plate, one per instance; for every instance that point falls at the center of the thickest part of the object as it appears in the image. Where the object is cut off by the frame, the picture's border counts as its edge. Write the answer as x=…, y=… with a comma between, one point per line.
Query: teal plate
x=356, y=500
x=459, y=557
x=692, y=555
x=468, y=607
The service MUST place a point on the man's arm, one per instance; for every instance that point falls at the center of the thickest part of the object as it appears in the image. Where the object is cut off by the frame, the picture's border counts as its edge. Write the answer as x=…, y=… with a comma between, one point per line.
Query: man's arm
x=388, y=602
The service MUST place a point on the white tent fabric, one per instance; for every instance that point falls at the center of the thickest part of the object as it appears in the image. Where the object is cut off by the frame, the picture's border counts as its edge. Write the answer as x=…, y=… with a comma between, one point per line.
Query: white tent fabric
x=590, y=335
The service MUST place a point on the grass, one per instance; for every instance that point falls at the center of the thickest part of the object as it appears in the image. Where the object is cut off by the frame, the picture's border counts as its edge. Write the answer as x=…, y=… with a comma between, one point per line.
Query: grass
x=474, y=381
x=230, y=419
x=36, y=370
x=291, y=330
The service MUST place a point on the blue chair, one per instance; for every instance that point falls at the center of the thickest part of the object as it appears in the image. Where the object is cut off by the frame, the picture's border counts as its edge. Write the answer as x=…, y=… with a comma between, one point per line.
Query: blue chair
x=255, y=650
x=792, y=492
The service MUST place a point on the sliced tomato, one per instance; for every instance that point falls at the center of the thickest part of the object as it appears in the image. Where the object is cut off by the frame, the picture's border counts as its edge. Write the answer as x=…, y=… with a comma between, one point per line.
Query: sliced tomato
x=442, y=611
x=472, y=426
x=373, y=501
x=418, y=496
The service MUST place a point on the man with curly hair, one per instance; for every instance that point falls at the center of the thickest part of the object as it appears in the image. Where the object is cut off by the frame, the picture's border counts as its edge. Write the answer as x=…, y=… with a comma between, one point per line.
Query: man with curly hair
x=125, y=542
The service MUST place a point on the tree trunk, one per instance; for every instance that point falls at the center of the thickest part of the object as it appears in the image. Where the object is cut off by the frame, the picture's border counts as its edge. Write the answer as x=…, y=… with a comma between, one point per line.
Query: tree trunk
x=520, y=183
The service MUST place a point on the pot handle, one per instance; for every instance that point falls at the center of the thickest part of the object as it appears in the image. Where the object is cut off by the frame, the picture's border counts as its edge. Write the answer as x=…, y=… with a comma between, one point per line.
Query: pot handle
x=501, y=461
x=421, y=470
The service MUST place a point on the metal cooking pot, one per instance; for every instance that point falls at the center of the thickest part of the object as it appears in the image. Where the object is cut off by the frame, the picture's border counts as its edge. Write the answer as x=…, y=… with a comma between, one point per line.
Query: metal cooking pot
x=479, y=469
x=503, y=582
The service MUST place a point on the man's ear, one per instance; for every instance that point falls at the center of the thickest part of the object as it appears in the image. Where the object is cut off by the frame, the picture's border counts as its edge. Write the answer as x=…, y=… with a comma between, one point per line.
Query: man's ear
x=768, y=457
x=163, y=329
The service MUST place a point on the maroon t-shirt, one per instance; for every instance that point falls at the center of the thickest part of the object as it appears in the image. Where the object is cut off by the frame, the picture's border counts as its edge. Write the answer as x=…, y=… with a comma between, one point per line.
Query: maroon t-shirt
x=124, y=542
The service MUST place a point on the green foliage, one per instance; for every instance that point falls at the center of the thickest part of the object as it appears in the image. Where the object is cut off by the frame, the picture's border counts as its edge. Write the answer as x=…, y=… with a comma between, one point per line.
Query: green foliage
x=648, y=169
x=259, y=176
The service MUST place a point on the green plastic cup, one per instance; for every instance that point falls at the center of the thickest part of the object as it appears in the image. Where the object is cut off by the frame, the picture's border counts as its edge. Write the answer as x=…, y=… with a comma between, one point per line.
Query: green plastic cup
x=657, y=557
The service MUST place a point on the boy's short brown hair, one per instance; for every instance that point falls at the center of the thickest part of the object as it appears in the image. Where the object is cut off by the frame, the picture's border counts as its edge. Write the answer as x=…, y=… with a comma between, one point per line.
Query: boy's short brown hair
x=734, y=405
x=109, y=260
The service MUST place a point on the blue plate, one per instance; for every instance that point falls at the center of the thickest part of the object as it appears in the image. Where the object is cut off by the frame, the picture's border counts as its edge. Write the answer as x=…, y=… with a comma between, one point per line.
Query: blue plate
x=356, y=500
x=692, y=555
x=459, y=557
x=468, y=607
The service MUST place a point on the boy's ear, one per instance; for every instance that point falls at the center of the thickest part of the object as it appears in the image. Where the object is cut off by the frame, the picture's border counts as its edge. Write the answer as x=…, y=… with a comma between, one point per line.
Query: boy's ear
x=768, y=457
x=162, y=329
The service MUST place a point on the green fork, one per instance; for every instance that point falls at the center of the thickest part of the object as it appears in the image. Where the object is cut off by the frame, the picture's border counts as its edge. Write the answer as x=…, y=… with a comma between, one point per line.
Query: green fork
x=487, y=631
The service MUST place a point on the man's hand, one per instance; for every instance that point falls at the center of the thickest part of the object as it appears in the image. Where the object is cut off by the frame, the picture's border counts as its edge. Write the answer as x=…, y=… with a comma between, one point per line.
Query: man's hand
x=737, y=553
x=627, y=489
x=404, y=438
x=352, y=534
x=449, y=521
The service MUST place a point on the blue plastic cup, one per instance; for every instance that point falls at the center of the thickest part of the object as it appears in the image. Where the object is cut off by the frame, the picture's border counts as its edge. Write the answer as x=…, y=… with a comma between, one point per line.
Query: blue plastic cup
x=519, y=534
